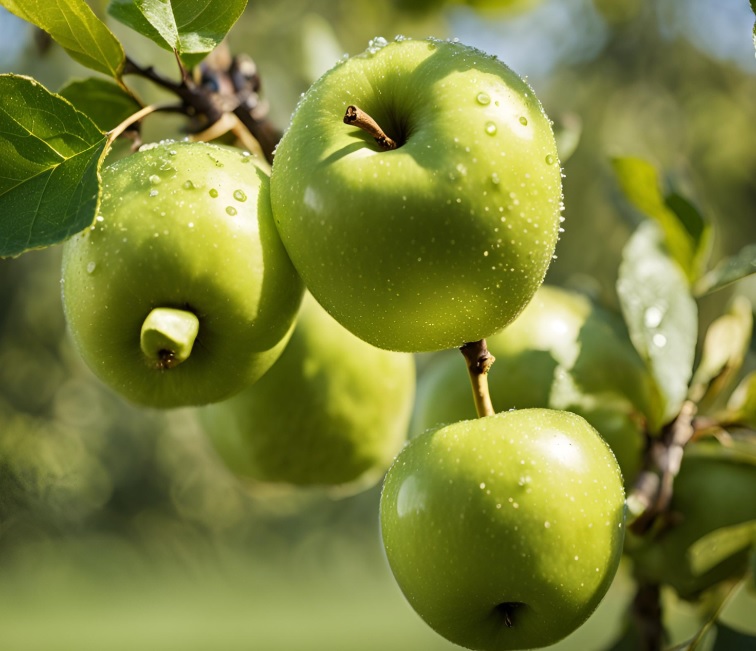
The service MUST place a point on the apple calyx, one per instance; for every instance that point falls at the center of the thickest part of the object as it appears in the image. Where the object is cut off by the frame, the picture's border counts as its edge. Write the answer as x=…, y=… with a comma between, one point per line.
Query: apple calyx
x=168, y=335
x=358, y=118
x=506, y=611
x=479, y=361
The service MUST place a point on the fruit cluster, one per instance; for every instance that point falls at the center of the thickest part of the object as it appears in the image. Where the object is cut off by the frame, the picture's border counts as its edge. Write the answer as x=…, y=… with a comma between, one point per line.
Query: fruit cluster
x=425, y=222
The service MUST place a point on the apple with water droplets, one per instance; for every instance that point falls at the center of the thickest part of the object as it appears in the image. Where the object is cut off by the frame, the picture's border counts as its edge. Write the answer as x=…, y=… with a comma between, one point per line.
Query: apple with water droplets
x=563, y=352
x=332, y=412
x=442, y=239
x=505, y=532
x=181, y=292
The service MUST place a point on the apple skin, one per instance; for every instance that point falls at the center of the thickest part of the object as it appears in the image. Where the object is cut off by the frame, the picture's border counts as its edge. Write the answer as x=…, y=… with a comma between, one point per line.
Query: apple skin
x=188, y=226
x=710, y=493
x=443, y=240
x=333, y=410
x=562, y=352
x=524, y=507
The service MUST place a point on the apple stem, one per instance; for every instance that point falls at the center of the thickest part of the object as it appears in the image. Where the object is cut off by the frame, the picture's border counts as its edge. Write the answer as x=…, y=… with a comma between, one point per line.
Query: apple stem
x=479, y=361
x=358, y=118
x=168, y=336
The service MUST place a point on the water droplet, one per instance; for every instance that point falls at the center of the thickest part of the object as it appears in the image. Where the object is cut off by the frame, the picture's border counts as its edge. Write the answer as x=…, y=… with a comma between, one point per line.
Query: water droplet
x=375, y=44
x=153, y=193
x=214, y=193
x=495, y=179
x=653, y=316
x=239, y=195
x=547, y=524
x=483, y=99
x=523, y=121
x=91, y=266
x=188, y=185
x=155, y=179
x=659, y=340
x=490, y=128
x=550, y=160
x=230, y=210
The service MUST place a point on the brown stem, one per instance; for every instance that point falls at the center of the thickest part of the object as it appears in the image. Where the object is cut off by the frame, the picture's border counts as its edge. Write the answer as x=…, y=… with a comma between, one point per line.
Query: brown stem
x=197, y=100
x=479, y=361
x=653, y=488
x=232, y=88
x=647, y=617
x=251, y=110
x=358, y=118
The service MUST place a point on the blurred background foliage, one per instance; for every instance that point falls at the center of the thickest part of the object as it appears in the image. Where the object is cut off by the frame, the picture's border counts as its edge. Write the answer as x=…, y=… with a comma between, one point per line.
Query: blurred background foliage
x=119, y=528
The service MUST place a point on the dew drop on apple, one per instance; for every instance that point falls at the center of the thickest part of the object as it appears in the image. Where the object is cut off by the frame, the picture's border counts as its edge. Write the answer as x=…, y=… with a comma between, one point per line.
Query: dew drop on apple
x=213, y=193
x=153, y=193
x=230, y=210
x=239, y=195
x=483, y=99
x=91, y=266
x=155, y=179
x=524, y=121
x=550, y=160
x=495, y=179
x=490, y=128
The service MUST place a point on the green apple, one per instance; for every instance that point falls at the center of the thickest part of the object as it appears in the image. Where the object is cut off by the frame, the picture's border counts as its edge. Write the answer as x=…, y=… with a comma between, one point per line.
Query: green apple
x=181, y=292
x=442, y=240
x=332, y=411
x=711, y=492
x=505, y=532
x=562, y=352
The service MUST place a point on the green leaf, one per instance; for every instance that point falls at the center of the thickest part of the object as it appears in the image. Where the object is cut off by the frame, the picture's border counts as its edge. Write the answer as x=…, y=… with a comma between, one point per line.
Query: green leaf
x=660, y=313
x=724, y=350
x=728, y=271
x=742, y=403
x=49, y=160
x=106, y=103
x=193, y=28
x=713, y=548
x=687, y=234
x=739, y=446
x=728, y=639
x=75, y=27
